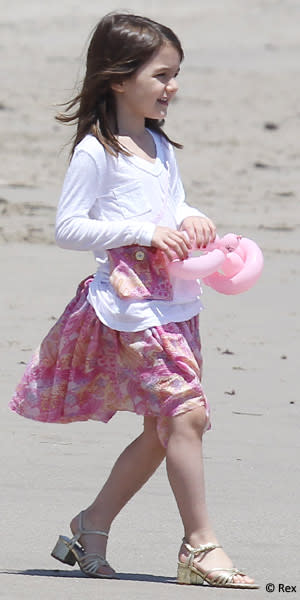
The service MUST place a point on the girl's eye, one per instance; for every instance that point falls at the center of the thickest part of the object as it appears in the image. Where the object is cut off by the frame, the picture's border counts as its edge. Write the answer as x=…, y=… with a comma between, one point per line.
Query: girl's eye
x=164, y=75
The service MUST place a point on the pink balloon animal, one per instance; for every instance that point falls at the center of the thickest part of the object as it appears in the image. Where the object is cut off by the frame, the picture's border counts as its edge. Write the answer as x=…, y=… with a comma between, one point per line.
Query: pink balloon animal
x=230, y=265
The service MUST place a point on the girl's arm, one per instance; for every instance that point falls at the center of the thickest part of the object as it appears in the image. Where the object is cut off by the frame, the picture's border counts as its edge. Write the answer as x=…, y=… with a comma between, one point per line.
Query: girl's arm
x=76, y=230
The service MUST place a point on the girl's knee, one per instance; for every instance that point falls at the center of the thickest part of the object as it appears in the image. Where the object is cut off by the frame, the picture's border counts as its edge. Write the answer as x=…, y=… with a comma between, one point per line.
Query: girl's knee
x=191, y=423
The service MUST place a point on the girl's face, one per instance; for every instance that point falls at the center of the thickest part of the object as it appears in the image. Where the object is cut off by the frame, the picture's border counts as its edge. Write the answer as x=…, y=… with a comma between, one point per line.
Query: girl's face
x=147, y=93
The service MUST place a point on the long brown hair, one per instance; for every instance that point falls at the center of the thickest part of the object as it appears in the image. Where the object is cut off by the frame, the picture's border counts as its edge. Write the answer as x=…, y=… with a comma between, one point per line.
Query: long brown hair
x=120, y=44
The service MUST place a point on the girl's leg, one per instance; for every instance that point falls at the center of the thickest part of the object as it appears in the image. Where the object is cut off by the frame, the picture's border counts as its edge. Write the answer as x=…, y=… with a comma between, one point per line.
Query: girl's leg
x=186, y=477
x=132, y=469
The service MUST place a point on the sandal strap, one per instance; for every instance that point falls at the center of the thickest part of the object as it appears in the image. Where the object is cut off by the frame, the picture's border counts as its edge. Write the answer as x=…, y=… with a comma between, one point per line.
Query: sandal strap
x=196, y=551
x=90, y=563
x=226, y=576
x=82, y=531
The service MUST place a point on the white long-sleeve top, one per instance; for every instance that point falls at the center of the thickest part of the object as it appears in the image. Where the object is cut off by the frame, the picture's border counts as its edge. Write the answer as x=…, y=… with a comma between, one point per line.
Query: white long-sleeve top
x=109, y=202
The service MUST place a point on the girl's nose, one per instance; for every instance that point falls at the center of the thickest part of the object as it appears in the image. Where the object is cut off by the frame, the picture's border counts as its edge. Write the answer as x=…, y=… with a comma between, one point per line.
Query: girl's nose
x=172, y=85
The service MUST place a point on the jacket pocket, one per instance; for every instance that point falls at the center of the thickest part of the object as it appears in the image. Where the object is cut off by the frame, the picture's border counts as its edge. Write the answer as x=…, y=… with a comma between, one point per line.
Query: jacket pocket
x=140, y=272
x=131, y=200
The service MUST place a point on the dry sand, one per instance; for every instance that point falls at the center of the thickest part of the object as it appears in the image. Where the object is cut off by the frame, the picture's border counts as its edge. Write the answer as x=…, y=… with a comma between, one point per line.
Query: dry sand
x=239, y=118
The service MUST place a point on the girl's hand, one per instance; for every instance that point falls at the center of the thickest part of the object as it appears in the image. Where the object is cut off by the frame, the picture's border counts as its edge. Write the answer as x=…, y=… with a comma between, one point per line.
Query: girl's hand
x=201, y=231
x=171, y=241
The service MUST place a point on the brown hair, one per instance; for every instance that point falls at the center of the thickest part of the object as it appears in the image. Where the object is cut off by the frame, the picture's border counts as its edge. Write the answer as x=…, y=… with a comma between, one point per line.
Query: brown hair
x=120, y=44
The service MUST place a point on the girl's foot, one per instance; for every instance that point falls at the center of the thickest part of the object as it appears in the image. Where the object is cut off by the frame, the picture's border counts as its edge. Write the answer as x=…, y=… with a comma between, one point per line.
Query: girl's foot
x=216, y=558
x=92, y=544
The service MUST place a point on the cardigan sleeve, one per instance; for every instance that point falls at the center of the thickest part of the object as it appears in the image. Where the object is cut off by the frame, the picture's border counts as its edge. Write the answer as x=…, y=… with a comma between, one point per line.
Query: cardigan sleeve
x=75, y=229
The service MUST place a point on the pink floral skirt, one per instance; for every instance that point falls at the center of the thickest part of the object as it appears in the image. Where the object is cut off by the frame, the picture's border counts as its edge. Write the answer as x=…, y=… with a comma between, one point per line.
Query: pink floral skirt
x=85, y=370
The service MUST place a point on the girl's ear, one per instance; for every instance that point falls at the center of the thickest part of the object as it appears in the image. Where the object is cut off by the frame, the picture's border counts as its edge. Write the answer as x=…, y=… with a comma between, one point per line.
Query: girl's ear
x=117, y=86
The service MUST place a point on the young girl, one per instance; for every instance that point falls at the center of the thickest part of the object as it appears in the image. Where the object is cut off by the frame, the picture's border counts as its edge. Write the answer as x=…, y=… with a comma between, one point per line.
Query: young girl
x=129, y=340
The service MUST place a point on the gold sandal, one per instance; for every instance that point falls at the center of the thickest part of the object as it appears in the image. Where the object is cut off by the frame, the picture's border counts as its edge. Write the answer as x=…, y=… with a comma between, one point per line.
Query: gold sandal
x=69, y=551
x=189, y=574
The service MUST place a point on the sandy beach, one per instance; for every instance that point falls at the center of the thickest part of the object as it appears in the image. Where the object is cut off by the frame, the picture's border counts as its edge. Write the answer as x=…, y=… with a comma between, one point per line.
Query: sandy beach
x=238, y=116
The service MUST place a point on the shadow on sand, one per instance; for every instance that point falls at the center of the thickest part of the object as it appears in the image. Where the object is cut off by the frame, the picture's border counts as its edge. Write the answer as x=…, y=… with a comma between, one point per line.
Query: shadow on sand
x=79, y=575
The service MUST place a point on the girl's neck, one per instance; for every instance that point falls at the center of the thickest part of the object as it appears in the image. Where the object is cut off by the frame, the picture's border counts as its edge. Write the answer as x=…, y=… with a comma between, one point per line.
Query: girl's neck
x=129, y=123
x=141, y=145
x=132, y=134
x=138, y=136
x=132, y=128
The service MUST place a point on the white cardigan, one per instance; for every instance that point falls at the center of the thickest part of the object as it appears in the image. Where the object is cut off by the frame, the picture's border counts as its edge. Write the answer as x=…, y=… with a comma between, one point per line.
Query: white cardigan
x=108, y=202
